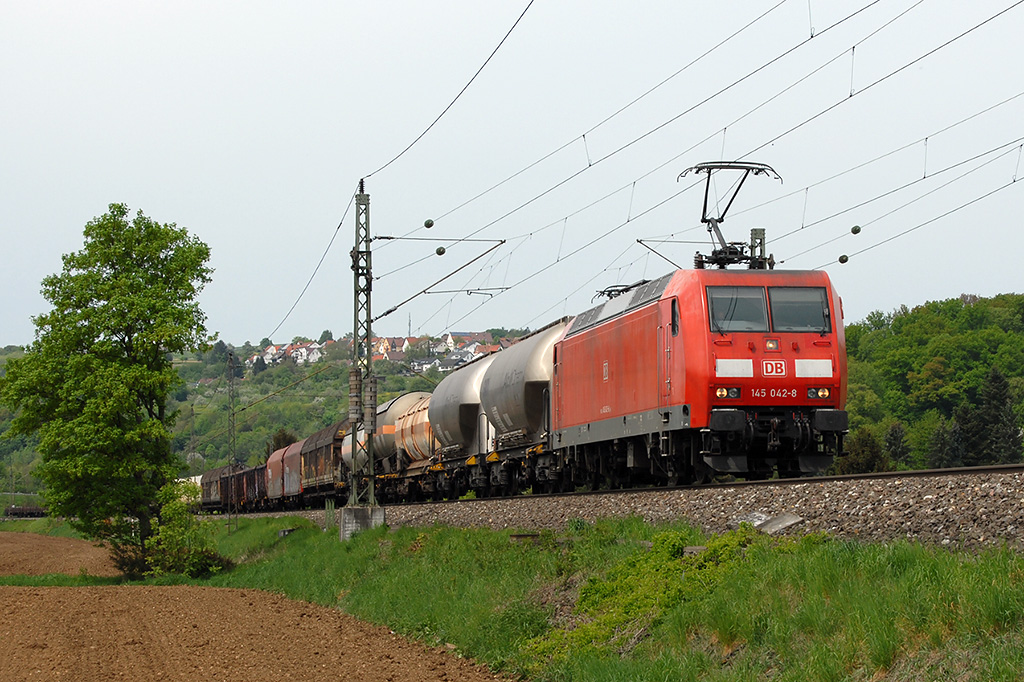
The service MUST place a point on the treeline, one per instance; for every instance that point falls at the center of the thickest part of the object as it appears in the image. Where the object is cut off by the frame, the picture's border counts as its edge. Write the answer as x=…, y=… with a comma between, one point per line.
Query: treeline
x=937, y=386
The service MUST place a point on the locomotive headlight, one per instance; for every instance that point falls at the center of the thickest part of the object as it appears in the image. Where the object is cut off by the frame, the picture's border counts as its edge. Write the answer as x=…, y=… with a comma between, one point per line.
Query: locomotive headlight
x=771, y=344
x=722, y=392
x=732, y=392
x=822, y=393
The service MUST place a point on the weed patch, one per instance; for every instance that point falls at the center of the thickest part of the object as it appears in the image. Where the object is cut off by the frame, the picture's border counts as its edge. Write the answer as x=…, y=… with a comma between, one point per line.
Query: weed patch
x=618, y=609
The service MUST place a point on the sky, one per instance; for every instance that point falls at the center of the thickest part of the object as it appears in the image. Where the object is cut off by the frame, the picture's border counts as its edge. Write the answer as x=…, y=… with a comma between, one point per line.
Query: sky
x=251, y=124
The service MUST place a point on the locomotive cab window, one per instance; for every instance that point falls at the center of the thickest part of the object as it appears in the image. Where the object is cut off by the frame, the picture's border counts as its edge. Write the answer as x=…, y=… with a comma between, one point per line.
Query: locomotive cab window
x=675, y=317
x=800, y=309
x=737, y=309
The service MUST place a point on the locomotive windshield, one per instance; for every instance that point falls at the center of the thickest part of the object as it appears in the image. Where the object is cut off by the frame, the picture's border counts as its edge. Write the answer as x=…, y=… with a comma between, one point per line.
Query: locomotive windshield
x=793, y=309
x=799, y=309
x=737, y=309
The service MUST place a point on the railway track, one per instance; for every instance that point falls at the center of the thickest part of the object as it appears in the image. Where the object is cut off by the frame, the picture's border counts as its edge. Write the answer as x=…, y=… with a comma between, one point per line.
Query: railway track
x=923, y=473
x=970, y=507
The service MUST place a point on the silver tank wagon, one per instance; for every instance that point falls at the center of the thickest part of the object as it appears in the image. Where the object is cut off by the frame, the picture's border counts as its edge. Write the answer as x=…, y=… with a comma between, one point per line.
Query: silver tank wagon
x=514, y=387
x=456, y=415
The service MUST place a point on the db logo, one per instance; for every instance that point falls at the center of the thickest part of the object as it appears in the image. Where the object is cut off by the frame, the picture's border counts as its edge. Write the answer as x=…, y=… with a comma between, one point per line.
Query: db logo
x=773, y=368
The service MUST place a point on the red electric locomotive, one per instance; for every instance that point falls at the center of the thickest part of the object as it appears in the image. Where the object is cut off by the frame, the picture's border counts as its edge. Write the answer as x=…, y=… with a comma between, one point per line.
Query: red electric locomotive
x=705, y=371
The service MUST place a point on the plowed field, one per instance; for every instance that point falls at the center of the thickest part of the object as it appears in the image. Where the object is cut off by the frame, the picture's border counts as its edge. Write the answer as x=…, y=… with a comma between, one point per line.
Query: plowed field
x=188, y=633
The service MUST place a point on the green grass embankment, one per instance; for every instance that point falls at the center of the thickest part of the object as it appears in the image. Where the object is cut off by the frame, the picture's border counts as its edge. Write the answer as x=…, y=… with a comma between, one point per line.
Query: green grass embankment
x=623, y=600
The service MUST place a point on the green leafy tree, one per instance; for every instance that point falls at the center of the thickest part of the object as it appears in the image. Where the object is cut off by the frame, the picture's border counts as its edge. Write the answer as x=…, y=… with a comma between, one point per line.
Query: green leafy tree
x=326, y=335
x=95, y=383
x=501, y=332
x=218, y=353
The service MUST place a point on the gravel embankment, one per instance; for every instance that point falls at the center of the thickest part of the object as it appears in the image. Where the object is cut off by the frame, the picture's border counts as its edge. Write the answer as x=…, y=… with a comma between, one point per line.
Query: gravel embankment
x=964, y=511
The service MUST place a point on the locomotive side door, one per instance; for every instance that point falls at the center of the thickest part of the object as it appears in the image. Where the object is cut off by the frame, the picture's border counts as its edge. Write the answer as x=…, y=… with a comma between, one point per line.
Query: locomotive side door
x=668, y=339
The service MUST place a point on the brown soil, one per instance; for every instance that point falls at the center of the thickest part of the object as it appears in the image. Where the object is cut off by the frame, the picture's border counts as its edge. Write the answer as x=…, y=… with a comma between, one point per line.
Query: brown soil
x=29, y=554
x=189, y=633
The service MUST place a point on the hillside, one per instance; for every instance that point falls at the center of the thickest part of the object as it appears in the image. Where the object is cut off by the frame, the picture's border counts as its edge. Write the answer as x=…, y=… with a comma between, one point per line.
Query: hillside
x=941, y=384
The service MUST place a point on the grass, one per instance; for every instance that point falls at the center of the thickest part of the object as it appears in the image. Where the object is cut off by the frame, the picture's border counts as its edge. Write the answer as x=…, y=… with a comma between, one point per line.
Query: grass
x=623, y=600
x=43, y=526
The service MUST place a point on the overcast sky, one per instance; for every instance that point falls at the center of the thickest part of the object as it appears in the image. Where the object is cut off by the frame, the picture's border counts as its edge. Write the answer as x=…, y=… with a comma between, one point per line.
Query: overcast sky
x=251, y=123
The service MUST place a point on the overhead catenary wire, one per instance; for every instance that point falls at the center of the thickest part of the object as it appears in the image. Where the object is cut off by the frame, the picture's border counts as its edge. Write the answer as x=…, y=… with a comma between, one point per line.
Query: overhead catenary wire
x=675, y=157
x=564, y=300
x=927, y=222
x=1012, y=143
x=463, y=90
x=887, y=76
x=881, y=157
x=316, y=269
x=614, y=114
x=398, y=156
x=913, y=201
x=774, y=139
x=662, y=125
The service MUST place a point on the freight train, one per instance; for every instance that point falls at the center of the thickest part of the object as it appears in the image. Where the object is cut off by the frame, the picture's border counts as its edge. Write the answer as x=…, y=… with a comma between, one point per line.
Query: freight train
x=698, y=373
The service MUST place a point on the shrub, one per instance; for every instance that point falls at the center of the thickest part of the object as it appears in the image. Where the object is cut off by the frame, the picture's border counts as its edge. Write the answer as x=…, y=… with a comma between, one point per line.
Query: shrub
x=182, y=543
